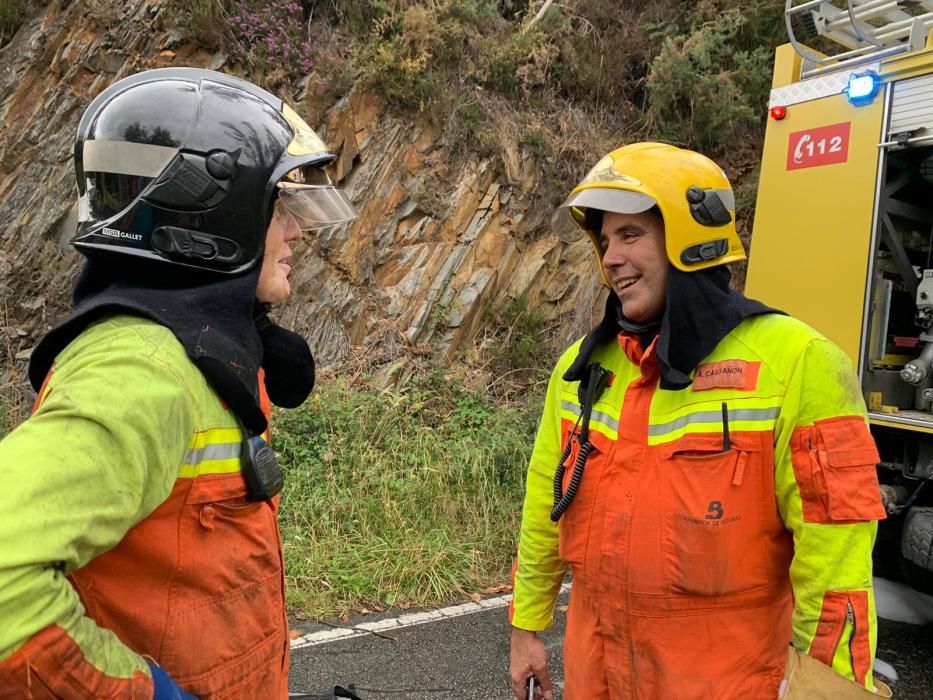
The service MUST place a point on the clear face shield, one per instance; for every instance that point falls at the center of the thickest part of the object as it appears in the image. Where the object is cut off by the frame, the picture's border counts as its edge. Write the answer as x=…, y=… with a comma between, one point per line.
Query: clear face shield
x=313, y=202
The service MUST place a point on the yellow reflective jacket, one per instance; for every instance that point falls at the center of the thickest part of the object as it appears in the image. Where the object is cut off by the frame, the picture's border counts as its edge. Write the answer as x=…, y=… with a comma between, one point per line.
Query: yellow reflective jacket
x=712, y=524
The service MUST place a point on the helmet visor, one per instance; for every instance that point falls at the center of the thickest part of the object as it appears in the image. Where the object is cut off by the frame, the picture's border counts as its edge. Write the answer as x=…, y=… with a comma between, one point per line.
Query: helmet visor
x=569, y=219
x=316, y=206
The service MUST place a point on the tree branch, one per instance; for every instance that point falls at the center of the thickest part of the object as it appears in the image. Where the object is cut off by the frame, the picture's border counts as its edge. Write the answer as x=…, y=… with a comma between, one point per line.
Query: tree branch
x=544, y=8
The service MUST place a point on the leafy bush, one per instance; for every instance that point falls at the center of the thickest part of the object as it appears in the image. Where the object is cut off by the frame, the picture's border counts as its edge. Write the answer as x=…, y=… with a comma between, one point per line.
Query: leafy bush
x=600, y=51
x=576, y=80
x=398, y=64
x=7, y=415
x=414, y=48
x=419, y=53
x=358, y=15
x=518, y=62
x=704, y=89
x=519, y=349
x=202, y=20
x=536, y=139
x=15, y=397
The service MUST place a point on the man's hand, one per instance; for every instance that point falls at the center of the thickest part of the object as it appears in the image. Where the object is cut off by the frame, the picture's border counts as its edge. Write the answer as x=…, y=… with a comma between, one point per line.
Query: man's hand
x=528, y=658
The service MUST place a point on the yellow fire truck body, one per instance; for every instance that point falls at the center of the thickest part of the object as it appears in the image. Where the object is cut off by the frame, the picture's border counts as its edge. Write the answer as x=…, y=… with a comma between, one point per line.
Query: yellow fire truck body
x=843, y=234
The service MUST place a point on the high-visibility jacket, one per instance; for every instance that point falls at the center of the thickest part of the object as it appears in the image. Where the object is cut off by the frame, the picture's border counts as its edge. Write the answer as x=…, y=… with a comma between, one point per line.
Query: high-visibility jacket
x=697, y=559
x=126, y=535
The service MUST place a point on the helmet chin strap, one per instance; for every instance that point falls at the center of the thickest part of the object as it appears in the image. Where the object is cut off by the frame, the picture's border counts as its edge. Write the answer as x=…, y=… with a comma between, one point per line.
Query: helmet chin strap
x=630, y=326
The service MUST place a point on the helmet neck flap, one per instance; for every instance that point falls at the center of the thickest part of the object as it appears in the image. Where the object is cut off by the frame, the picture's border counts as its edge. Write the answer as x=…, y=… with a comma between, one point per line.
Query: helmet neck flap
x=701, y=310
x=212, y=321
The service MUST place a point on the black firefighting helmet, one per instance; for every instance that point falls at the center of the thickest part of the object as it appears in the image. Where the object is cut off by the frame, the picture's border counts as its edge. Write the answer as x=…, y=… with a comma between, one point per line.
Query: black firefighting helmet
x=182, y=165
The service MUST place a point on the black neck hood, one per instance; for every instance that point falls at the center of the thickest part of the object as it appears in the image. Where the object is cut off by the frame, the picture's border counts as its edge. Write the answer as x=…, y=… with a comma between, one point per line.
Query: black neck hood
x=701, y=310
x=212, y=319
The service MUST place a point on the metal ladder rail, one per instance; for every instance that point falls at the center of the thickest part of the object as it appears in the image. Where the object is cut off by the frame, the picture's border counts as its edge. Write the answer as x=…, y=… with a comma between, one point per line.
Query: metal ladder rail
x=901, y=30
x=855, y=18
x=816, y=10
x=849, y=27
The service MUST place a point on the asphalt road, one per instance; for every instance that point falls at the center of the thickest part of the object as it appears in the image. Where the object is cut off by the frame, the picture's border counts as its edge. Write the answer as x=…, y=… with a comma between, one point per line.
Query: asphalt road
x=464, y=656
x=909, y=648
x=463, y=653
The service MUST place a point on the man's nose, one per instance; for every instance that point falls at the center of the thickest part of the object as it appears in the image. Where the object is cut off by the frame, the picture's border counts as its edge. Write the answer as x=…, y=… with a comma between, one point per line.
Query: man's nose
x=614, y=255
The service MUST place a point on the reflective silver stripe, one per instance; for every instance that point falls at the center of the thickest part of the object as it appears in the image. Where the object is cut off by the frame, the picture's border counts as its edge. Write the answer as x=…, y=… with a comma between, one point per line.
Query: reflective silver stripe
x=124, y=158
x=598, y=416
x=728, y=199
x=196, y=455
x=713, y=417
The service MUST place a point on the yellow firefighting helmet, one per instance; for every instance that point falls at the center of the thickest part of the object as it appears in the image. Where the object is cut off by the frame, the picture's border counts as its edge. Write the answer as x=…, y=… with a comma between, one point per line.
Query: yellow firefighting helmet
x=691, y=191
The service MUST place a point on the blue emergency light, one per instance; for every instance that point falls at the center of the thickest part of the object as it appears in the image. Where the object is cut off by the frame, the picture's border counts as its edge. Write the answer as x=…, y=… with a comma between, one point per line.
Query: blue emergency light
x=862, y=87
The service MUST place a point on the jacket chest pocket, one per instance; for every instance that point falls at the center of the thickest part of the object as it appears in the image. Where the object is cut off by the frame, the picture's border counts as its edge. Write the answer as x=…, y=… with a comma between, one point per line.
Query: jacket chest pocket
x=712, y=502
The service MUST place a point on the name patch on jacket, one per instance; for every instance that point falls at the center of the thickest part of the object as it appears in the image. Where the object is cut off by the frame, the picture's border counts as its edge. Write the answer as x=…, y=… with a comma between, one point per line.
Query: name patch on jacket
x=728, y=374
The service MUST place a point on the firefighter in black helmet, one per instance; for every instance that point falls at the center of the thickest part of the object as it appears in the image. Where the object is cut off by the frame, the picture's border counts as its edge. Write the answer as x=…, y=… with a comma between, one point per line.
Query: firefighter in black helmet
x=139, y=551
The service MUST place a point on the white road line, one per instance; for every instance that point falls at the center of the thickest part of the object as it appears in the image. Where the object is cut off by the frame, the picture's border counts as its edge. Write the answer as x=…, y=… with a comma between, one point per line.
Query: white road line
x=408, y=620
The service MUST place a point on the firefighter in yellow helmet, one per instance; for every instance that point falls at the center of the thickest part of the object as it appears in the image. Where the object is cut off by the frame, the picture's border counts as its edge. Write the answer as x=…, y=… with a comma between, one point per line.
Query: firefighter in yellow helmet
x=703, y=466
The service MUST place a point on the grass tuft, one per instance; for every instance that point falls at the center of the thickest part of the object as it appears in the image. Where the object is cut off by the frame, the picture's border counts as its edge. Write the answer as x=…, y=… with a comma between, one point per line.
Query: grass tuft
x=409, y=495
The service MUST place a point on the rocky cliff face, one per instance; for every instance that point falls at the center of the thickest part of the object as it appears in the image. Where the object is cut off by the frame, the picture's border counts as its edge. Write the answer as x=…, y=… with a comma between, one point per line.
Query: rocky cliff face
x=428, y=255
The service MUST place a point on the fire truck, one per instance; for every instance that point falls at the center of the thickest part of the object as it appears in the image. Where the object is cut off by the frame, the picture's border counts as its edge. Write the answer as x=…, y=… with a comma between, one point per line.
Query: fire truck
x=843, y=232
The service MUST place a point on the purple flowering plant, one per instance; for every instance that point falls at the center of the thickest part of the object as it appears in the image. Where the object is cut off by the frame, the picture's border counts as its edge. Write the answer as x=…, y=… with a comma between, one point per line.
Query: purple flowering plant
x=270, y=35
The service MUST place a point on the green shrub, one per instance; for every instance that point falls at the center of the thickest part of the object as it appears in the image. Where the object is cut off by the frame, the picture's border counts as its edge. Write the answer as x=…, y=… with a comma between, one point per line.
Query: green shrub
x=604, y=55
x=517, y=62
x=470, y=128
x=417, y=51
x=15, y=399
x=7, y=415
x=358, y=15
x=709, y=87
x=537, y=141
x=400, y=57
